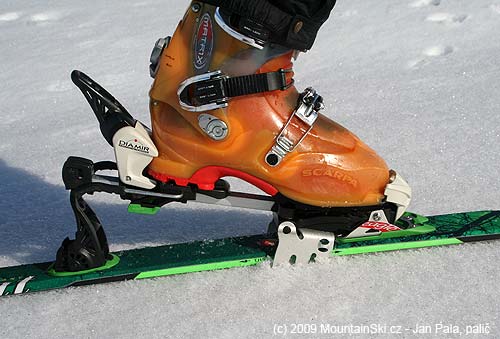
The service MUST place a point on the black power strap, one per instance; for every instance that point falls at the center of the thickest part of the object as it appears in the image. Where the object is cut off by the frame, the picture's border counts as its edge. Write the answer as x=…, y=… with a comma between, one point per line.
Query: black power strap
x=256, y=83
x=212, y=90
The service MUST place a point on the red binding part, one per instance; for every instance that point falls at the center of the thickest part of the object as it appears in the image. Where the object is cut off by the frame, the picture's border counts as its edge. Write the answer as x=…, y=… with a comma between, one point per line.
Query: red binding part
x=206, y=177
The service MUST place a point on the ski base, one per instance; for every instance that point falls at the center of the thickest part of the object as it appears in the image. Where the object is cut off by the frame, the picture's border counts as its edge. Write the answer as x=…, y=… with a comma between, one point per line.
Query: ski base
x=210, y=255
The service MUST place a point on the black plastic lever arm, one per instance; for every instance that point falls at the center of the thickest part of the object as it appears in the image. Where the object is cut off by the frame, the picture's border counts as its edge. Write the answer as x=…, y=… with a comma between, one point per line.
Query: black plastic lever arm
x=109, y=112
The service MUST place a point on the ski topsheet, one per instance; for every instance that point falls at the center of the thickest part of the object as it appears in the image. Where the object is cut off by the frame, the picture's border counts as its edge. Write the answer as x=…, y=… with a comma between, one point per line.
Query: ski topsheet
x=244, y=251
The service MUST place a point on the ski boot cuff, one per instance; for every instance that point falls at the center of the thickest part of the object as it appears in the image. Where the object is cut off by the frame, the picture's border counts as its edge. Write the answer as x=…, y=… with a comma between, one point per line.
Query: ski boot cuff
x=266, y=22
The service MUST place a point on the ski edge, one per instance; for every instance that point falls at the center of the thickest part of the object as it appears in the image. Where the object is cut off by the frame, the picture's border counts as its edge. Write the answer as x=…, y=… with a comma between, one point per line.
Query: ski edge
x=201, y=267
x=396, y=246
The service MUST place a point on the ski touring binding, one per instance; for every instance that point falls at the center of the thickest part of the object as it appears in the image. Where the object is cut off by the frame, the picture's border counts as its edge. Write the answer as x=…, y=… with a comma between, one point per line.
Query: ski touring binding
x=303, y=232
x=224, y=104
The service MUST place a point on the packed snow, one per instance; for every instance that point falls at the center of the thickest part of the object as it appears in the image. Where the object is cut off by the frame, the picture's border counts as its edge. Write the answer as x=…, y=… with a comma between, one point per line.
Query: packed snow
x=419, y=81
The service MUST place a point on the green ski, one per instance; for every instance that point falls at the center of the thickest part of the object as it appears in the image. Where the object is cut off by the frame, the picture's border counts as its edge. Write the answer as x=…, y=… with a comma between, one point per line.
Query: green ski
x=209, y=255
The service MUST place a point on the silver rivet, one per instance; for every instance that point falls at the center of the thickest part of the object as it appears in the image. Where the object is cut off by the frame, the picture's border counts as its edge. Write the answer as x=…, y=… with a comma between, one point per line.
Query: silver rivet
x=155, y=103
x=196, y=7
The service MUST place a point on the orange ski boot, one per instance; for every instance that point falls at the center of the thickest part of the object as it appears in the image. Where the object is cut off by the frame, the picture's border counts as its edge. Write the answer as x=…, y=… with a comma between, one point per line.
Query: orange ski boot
x=223, y=103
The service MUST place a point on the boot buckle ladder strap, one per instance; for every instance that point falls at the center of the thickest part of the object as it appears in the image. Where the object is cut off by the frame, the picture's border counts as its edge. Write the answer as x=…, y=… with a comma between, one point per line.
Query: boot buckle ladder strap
x=212, y=90
x=307, y=111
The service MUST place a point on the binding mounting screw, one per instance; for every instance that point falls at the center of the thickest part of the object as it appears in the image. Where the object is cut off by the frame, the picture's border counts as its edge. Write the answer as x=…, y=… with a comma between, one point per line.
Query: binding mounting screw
x=377, y=217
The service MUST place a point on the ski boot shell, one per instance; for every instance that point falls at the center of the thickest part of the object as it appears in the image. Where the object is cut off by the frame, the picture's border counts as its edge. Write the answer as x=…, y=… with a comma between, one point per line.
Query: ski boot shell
x=327, y=166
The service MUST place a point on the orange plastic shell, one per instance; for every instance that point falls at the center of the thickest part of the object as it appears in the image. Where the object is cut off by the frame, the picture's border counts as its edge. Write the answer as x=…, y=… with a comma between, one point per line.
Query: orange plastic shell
x=331, y=167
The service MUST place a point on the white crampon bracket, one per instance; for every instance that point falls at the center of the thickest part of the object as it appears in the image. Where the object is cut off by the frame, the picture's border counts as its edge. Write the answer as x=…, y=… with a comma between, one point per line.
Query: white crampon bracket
x=134, y=150
x=301, y=246
x=399, y=193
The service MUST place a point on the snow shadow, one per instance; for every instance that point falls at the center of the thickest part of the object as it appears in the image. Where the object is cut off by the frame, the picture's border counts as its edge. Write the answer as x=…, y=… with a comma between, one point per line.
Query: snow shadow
x=36, y=216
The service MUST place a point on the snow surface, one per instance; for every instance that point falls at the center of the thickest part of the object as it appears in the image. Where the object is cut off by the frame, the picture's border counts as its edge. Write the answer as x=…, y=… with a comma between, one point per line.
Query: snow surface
x=417, y=80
